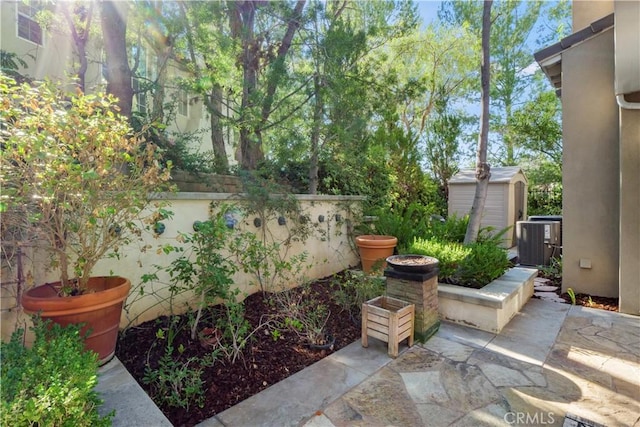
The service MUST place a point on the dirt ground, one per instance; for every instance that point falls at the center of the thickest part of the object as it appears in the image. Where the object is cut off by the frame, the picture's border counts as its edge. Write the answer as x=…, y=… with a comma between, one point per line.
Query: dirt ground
x=265, y=361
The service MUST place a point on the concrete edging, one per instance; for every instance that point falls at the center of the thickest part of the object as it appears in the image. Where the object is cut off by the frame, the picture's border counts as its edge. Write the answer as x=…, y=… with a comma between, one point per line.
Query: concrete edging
x=491, y=307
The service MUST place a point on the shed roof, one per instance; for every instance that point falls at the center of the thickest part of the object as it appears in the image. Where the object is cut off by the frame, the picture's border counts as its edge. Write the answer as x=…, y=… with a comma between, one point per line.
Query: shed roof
x=505, y=174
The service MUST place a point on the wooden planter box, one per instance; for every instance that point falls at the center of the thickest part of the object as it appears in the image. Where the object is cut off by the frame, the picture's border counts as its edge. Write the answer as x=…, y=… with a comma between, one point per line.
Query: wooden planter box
x=388, y=319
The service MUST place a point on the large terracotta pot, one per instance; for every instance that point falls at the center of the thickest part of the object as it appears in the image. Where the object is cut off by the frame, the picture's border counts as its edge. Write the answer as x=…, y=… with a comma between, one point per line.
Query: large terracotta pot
x=99, y=310
x=374, y=250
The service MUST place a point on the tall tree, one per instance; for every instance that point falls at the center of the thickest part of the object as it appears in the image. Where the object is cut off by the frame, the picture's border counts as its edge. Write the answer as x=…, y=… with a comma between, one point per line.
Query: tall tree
x=118, y=72
x=209, y=59
x=260, y=58
x=442, y=143
x=483, y=170
x=511, y=49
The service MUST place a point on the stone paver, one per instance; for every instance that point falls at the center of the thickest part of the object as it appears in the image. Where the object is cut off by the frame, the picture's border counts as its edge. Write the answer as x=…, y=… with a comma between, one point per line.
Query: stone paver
x=123, y=394
x=550, y=361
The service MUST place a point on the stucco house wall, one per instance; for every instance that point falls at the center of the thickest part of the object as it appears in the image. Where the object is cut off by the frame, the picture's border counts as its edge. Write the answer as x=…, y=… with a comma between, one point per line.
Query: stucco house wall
x=584, y=12
x=590, y=207
x=601, y=157
x=630, y=211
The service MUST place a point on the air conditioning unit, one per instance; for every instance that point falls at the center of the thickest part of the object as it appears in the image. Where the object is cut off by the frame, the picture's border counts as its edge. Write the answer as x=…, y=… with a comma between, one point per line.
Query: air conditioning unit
x=549, y=218
x=538, y=241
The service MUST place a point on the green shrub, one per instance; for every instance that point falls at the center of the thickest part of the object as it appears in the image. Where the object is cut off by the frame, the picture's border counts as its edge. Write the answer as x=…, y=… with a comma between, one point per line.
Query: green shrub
x=484, y=263
x=52, y=383
x=404, y=225
x=452, y=229
x=473, y=265
x=355, y=289
x=449, y=254
x=176, y=383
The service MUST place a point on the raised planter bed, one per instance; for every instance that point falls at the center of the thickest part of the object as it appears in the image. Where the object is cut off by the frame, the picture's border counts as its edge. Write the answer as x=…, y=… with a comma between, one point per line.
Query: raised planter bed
x=491, y=307
x=389, y=320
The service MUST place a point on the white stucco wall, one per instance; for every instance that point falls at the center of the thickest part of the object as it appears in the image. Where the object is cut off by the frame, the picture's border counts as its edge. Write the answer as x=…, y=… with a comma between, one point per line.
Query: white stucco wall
x=329, y=248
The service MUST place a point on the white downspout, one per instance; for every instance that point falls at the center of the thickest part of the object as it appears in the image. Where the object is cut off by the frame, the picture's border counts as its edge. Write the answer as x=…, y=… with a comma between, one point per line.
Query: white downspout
x=627, y=51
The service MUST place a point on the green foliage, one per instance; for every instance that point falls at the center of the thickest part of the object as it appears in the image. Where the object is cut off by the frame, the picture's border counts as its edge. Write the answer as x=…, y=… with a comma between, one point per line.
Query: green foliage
x=484, y=263
x=545, y=201
x=76, y=179
x=572, y=295
x=473, y=265
x=537, y=126
x=442, y=141
x=449, y=254
x=451, y=229
x=552, y=271
x=413, y=222
x=300, y=312
x=174, y=382
x=52, y=383
x=204, y=270
x=355, y=289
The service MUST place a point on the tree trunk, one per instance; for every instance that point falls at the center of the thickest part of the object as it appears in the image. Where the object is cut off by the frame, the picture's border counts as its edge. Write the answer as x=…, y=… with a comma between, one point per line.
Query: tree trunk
x=243, y=25
x=80, y=36
x=114, y=29
x=242, y=21
x=217, y=135
x=315, y=137
x=483, y=170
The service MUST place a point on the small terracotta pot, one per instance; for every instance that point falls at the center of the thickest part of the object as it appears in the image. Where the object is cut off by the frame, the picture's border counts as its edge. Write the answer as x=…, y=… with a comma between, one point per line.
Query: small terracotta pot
x=99, y=310
x=374, y=250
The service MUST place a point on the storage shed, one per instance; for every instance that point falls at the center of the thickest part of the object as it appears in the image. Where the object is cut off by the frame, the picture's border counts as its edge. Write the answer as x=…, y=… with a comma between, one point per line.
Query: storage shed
x=506, y=201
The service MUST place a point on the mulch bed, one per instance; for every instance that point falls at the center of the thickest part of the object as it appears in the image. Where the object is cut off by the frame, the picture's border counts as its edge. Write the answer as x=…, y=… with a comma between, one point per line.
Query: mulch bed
x=265, y=360
x=603, y=303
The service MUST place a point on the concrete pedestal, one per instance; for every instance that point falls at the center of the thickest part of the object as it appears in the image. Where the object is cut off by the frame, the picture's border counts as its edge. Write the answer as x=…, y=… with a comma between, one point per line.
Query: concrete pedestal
x=420, y=290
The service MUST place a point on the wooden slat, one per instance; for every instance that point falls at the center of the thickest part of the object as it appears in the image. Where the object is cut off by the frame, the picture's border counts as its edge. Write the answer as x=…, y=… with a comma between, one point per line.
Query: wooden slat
x=393, y=336
x=378, y=311
x=378, y=327
x=404, y=335
x=378, y=319
x=378, y=335
x=364, y=337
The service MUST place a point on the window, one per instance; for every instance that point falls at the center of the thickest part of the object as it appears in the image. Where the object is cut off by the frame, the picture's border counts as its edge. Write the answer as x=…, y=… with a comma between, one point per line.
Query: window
x=183, y=103
x=139, y=82
x=28, y=28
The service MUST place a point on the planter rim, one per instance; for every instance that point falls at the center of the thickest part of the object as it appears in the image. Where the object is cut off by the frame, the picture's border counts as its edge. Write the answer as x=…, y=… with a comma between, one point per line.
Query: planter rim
x=376, y=241
x=108, y=290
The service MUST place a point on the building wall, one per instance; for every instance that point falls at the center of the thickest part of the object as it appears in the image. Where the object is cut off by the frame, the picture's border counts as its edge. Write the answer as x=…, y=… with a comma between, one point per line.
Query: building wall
x=630, y=211
x=55, y=59
x=587, y=11
x=590, y=168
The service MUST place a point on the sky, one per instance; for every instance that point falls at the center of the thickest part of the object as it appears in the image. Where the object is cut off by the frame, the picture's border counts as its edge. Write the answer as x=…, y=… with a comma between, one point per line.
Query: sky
x=428, y=9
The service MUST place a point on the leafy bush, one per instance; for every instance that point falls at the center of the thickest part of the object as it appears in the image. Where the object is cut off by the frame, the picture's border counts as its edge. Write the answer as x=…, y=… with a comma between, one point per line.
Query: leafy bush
x=174, y=382
x=473, y=265
x=484, y=263
x=545, y=200
x=449, y=254
x=452, y=229
x=52, y=383
x=404, y=225
x=356, y=288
